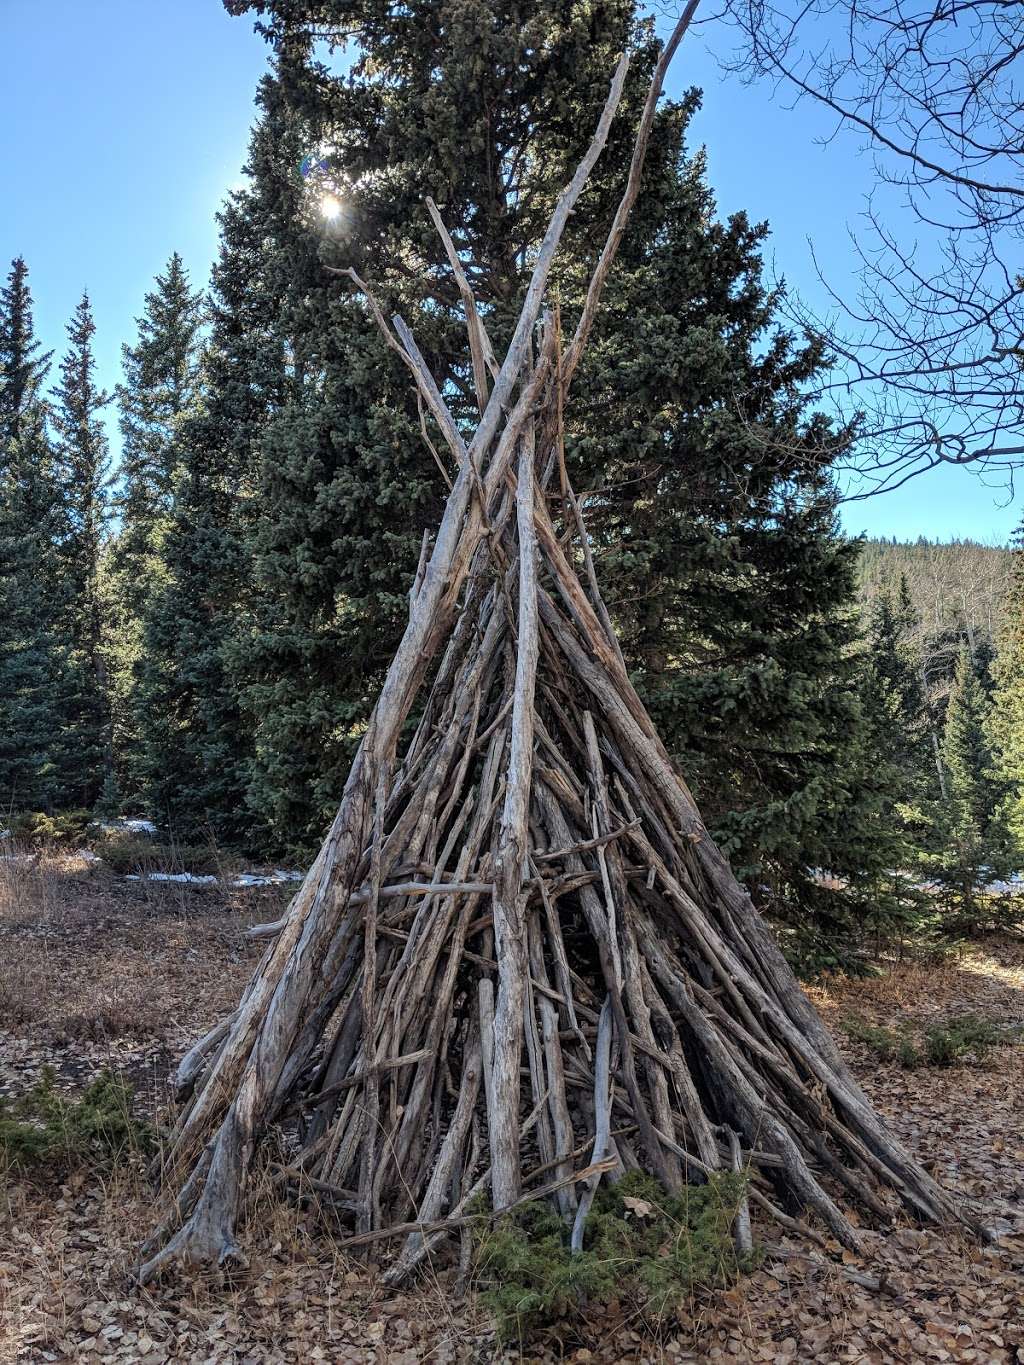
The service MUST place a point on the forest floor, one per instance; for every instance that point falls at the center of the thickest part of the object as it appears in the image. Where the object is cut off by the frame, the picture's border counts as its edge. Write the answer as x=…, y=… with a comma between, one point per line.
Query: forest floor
x=102, y=973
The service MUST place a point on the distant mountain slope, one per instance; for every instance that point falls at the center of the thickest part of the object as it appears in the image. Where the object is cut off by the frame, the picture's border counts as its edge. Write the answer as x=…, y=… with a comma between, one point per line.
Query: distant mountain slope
x=958, y=587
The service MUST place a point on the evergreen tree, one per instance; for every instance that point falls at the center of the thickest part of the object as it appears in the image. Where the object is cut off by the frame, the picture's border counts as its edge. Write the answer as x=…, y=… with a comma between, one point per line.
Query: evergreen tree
x=895, y=694
x=710, y=497
x=1008, y=710
x=217, y=505
x=31, y=661
x=974, y=846
x=83, y=472
x=160, y=393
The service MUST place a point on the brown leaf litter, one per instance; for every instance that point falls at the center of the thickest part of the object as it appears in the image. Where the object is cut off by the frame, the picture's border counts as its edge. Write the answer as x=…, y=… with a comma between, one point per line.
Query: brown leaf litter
x=103, y=973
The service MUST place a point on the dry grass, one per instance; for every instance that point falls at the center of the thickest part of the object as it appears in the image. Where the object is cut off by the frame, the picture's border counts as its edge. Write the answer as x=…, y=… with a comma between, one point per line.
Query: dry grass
x=102, y=972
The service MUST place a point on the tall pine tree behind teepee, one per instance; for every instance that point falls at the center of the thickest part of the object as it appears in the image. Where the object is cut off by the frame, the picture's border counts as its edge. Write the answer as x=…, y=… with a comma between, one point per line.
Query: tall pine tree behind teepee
x=31, y=658
x=708, y=488
x=84, y=478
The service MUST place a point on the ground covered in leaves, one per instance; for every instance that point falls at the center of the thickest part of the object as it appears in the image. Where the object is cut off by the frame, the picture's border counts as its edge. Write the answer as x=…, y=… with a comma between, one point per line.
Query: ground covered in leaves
x=103, y=974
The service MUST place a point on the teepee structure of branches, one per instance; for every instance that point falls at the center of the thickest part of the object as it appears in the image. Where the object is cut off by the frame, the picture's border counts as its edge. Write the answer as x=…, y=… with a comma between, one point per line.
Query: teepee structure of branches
x=519, y=964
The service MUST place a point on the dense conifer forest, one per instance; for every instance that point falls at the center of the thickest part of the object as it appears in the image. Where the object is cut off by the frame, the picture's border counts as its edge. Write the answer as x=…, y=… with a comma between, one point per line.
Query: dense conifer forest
x=196, y=631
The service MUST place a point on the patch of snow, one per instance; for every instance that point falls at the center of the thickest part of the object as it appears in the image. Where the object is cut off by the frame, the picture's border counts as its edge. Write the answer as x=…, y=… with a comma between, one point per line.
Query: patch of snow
x=195, y=878
x=274, y=878
x=1010, y=888
x=125, y=825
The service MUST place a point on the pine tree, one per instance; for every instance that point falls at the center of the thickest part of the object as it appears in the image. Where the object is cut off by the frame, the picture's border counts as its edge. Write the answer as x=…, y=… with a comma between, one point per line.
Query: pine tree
x=211, y=605
x=159, y=394
x=974, y=846
x=895, y=695
x=714, y=519
x=1008, y=709
x=31, y=662
x=84, y=478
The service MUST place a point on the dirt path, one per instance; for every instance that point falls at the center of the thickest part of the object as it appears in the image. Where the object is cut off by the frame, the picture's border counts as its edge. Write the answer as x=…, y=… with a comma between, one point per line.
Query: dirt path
x=101, y=973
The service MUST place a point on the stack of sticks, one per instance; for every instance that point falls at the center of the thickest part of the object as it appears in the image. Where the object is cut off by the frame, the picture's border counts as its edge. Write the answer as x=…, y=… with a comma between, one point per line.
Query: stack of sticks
x=519, y=964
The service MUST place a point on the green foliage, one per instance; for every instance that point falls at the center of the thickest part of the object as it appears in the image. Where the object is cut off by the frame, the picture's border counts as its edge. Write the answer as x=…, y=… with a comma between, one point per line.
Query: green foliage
x=47, y=1132
x=641, y=1246
x=31, y=653
x=39, y=828
x=126, y=853
x=946, y=1044
x=889, y=1044
x=161, y=390
x=82, y=460
x=819, y=946
x=973, y=845
x=1008, y=706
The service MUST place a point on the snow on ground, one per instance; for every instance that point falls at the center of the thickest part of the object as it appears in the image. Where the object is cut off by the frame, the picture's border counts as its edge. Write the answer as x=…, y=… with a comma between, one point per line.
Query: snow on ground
x=196, y=878
x=274, y=878
x=244, y=879
x=125, y=825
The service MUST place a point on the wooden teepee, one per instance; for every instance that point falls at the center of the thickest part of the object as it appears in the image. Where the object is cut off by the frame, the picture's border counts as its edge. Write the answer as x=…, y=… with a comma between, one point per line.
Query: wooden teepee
x=519, y=961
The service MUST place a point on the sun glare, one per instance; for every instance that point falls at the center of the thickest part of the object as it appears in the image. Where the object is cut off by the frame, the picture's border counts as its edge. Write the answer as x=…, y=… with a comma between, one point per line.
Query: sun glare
x=330, y=207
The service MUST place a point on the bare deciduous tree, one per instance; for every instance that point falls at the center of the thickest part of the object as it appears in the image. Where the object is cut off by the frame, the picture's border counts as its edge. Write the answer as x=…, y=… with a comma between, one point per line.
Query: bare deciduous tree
x=930, y=341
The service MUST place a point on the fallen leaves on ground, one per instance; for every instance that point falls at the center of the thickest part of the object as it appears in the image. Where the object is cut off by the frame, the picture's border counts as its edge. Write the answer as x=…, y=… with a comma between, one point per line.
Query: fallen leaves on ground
x=105, y=974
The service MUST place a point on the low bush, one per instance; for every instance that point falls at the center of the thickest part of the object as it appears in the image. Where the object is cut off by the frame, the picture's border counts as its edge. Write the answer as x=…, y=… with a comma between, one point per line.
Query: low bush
x=45, y=1130
x=130, y=853
x=642, y=1247
x=945, y=1044
x=889, y=1044
x=68, y=828
x=948, y=1043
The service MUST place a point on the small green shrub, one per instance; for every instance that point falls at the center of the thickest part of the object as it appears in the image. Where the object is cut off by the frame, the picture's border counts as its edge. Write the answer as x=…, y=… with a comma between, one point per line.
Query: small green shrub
x=45, y=1129
x=943, y=1044
x=641, y=1246
x=67, y=828
x=888, y=1044
x=129, y=853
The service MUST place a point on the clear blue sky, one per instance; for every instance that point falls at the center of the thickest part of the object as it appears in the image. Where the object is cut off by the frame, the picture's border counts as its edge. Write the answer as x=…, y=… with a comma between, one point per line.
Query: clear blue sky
x=132, y=119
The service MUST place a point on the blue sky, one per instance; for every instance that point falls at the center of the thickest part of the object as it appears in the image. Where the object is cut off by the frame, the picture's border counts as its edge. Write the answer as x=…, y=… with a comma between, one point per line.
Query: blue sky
x=134, y=118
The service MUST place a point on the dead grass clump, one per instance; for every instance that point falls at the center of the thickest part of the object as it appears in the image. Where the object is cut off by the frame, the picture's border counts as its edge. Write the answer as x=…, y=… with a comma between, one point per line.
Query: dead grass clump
x=131, y=854
x=29, y=883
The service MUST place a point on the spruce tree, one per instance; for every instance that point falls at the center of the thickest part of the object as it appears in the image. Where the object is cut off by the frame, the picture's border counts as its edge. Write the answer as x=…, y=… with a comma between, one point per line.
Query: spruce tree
x=160, y=393
x=895, y=699
x=31, y=657
x=248, y=371
x=896, y=760
x=84, y=477
x=709, y=487
x=974, y=845
x=1008, y=708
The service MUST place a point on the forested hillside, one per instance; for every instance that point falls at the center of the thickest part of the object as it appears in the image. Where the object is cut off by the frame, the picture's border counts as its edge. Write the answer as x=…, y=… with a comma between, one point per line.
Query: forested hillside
x=958, y=588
